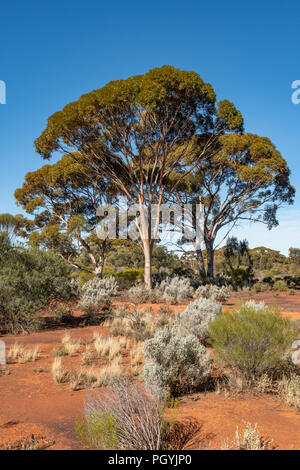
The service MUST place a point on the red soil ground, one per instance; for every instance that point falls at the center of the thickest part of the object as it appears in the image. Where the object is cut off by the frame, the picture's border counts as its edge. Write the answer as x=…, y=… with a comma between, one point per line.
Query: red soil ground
x=32, y=404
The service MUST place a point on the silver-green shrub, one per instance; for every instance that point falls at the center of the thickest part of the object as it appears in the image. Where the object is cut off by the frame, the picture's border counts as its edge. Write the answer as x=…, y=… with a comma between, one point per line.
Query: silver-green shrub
x=97, y=291
x=196, y=317
x=140, y=295
x=174, y=289
x=220, y=294
x=173, y=362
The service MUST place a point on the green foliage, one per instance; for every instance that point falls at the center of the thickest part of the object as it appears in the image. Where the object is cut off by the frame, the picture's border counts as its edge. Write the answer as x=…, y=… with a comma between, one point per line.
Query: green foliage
x=280, y=286
x=252, y=340
x=260, y=287
x=98, y=431
x=29, y=279
x=238, y=262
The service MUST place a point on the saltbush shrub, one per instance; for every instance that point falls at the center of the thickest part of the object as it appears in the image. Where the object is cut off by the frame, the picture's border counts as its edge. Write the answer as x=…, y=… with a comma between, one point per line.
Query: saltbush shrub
x=220, y=294
x=140, y=295
x=174, y=289
x=96, y=292
x=194, y=320
x=29, y=279
x=252, y=340
x=173, y=362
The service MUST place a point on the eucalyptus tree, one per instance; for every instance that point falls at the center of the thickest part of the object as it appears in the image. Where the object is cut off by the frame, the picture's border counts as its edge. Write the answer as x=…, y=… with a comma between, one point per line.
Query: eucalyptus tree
x=247, y=179
x=139, y=132
x=64, y=200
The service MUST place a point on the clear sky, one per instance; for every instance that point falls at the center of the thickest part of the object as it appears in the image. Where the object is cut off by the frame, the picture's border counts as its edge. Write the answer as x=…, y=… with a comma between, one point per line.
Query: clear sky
x=52, y=52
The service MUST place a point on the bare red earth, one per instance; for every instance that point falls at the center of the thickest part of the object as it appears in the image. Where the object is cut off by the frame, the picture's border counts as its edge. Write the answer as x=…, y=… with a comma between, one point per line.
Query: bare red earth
x=32, y=404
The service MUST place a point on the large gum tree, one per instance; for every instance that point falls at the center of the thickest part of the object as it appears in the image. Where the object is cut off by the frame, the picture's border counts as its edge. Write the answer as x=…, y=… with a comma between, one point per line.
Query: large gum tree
x=139, y=132
x=247, y=179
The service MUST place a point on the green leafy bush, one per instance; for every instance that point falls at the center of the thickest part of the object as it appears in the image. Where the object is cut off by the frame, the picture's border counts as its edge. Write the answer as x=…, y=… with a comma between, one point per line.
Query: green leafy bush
x=173, y=362
x=280, y=286
x=251, y=340
x=261, y=287
x=29, y=279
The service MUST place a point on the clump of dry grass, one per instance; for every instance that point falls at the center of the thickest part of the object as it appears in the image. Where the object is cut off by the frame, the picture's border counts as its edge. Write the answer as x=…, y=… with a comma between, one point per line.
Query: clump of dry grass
x=82, y=378
x=289, y=390
x=107, y=347
x=250, y=439
x=4, y=370
x=70, y=345
x=20, y=353
x=112, y=370
x=136, y=355
x=88, y=356
x=139, y=323
x=59, y=374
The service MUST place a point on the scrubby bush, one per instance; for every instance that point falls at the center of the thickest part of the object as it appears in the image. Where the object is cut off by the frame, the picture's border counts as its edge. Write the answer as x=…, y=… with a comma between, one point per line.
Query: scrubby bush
x=220, y=294
x=122, y=417
x=139, y=323
x=250, y=439
x=174, y=289
x=194, y=320
x=29, y=279
x=288, y=389
x=251, y=340
x=257, y=306
x=173, y=362
x=280, y=286
x=140, y=295
x=96, y=292
x=261, y=287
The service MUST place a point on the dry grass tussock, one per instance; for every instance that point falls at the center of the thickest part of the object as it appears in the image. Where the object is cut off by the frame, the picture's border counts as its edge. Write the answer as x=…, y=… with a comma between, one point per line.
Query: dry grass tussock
x=22, y=354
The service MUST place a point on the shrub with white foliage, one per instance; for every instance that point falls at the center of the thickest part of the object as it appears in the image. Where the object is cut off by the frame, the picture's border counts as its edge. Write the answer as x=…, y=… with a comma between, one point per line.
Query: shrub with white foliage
x=173, y=362
x=97, y=291
x=175, y=289
x=196, y=317
x=257, y=306
x=220, y=294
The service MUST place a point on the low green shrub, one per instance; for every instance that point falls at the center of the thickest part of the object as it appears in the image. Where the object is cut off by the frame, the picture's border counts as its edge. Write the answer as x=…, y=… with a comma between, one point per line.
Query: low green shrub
x=252, y=340
x=280, y=286
x=29, y=279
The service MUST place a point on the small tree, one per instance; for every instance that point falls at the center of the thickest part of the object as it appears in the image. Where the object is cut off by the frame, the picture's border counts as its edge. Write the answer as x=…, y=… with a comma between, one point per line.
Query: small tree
x=64, y=201
x=238, y=262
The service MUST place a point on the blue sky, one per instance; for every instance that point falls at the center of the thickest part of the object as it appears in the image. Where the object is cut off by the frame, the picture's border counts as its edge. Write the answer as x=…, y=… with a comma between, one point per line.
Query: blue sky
x=52, y=52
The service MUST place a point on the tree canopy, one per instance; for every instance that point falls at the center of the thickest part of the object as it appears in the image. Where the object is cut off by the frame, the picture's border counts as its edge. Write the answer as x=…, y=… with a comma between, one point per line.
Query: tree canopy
x=143, y=133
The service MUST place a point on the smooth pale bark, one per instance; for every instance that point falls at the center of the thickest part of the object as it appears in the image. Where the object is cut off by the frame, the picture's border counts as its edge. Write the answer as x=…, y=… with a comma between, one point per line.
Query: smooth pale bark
x=147, y=244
